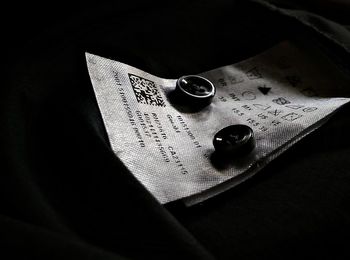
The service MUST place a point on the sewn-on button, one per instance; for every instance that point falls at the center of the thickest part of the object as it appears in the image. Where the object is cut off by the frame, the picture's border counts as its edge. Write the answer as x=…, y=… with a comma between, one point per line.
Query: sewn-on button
x=235, y=140
x=196, y=90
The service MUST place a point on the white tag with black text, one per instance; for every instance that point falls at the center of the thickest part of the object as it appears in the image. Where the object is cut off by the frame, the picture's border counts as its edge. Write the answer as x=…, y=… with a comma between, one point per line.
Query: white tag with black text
x=282, y=94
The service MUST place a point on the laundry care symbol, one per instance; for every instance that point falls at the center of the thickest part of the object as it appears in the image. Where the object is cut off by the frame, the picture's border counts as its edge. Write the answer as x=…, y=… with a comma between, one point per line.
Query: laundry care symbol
x=248, y=95
x=253, y=73
x=281, y=101
x=275, y=112
x=294, y=106
x=264, y=90
x=291, y=117
x=262, y=106
x=306, y=109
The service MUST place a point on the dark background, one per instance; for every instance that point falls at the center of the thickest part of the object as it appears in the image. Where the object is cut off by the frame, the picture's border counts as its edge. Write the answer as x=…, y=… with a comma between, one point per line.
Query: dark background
x=64, y=194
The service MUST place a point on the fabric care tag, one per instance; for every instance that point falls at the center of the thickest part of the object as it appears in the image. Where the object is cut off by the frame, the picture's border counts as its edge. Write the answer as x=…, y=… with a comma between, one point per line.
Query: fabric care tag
x=282, y=94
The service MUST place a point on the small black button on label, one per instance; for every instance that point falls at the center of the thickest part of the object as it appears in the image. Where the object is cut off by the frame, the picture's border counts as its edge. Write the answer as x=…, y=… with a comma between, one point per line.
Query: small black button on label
x=235, y=140
x=195, y=90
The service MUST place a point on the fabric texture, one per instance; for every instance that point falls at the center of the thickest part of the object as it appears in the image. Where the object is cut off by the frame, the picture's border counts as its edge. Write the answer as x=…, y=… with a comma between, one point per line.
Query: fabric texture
x=142, y=117
x=65, y=195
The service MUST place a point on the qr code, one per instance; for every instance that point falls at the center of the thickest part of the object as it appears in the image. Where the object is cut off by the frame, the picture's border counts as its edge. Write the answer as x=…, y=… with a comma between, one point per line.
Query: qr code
x=146, y=91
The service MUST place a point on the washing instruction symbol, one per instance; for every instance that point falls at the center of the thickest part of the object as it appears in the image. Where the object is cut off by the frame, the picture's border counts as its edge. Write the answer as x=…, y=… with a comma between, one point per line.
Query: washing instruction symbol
x=309, y=109
x=294, y=106
x=254, y=73
x=234, y=79
x=265, y=90
x=291, y=117
x=261, y=106
x=281, y=101
x=275, y=112
x=248, y=95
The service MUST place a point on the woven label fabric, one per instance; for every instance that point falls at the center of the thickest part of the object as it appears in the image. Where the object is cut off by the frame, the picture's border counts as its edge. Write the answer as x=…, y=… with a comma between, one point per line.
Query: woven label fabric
x=282, y=94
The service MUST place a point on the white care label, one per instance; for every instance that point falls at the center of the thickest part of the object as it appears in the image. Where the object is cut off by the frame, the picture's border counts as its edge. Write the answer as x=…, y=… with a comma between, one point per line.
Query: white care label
x=282, y=94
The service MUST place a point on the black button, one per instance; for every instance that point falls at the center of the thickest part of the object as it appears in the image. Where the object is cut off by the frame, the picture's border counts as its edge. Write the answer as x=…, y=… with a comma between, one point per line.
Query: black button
x=235, y=140
x=195, y=90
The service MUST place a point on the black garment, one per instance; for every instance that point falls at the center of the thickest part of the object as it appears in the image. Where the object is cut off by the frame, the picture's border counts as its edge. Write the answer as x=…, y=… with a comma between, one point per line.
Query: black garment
x=65, y=195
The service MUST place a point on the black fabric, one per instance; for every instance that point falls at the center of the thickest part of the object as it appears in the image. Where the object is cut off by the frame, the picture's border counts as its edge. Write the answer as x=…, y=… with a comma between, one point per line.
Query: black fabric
x=65, y=195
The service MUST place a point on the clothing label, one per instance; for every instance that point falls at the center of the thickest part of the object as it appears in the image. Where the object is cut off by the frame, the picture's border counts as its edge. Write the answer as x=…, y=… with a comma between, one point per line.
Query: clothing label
x=282, y=94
